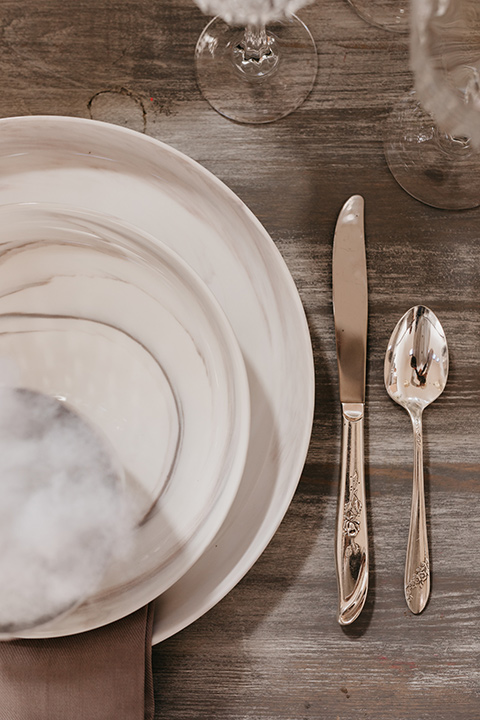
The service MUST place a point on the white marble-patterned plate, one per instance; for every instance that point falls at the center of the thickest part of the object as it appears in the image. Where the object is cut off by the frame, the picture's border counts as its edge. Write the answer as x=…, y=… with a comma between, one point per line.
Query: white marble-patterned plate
x=144, y=182
x=115, y=324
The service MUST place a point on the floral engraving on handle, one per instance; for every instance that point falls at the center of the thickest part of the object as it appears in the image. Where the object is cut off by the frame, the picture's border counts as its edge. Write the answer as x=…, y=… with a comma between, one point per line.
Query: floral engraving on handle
x=419, y=578
x=417, y=430
x=352, y=508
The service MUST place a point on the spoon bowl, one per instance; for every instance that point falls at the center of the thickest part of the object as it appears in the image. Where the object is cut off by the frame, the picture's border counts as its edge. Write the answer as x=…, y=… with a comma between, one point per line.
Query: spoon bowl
x=416, y=371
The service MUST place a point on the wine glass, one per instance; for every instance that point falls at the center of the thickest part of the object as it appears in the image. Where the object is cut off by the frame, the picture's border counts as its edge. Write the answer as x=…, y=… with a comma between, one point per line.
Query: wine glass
x=388, y=14
x=433, y=134
x=256, y=61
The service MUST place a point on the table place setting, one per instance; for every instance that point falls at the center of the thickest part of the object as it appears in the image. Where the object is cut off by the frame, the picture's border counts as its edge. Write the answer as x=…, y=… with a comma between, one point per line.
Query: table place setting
x=183, y=389
x=210, y=332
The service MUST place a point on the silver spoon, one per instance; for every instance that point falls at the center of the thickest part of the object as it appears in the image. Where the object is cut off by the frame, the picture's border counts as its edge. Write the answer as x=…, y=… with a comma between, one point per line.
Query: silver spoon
x=416, y=370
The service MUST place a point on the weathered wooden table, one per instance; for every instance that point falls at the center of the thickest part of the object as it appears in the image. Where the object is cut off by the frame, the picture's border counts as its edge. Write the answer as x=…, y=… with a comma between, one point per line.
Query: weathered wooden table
x=272, y=648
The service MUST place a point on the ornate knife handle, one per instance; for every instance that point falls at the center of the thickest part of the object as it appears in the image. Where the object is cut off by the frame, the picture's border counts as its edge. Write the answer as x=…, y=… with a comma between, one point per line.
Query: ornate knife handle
x=351, y=532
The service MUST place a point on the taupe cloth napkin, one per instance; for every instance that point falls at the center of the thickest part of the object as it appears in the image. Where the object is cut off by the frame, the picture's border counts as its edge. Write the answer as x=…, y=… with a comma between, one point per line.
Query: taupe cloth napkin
x=103, y=674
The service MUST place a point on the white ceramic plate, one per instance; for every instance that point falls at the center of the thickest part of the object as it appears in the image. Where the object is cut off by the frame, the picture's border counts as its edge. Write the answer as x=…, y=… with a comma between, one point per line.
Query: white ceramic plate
x=139, y=180
x=119, y=327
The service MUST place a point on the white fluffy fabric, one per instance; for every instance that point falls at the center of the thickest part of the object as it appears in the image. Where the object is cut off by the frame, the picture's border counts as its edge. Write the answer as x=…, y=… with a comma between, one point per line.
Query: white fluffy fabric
x=62, y=511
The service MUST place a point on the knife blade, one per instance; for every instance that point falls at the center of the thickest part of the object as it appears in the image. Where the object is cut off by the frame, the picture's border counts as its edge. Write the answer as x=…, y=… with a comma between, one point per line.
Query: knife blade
x=350, y=310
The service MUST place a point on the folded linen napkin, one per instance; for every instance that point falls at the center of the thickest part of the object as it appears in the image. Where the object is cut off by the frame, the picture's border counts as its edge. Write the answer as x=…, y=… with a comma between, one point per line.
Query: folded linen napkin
x=102, y=674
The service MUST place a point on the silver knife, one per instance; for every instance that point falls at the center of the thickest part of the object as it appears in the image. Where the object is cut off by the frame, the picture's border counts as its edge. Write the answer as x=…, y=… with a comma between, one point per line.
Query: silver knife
x=350, y=310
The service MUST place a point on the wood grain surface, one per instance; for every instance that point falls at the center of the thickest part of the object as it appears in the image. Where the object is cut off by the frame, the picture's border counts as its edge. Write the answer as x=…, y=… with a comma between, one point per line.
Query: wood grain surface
x=272, y=649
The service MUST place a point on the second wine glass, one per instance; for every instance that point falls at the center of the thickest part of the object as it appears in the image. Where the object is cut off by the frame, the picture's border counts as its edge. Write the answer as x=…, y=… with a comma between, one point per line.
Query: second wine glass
x=433, y=134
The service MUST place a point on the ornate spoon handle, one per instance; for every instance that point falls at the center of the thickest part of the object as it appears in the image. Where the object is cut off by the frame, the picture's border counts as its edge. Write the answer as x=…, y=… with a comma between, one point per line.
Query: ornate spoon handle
x=417, y=566
x=351, y=532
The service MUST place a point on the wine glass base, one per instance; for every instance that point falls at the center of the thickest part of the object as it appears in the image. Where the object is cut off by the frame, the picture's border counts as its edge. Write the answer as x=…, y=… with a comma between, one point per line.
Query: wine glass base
x=390, y=15
x=433, y=167
x=256, y=91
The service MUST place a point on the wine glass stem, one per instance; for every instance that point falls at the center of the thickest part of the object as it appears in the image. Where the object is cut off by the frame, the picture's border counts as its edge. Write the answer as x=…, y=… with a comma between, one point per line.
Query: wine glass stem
x=255, y=55
x=453, y=146
x=255, y=42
